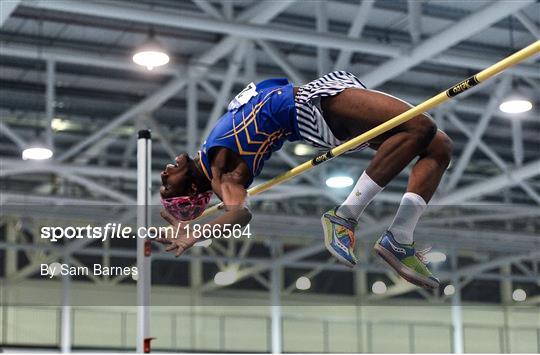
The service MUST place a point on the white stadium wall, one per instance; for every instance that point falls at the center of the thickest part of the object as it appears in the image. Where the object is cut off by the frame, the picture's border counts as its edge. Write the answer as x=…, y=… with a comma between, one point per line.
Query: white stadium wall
x=239, y=321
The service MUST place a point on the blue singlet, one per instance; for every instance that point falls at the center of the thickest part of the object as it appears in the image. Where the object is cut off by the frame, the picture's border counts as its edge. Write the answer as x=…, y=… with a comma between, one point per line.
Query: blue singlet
x=258, y=122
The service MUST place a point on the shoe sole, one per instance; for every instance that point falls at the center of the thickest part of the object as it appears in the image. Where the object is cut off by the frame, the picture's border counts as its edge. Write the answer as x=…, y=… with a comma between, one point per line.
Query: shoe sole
x=403, y=271
x=328, y=241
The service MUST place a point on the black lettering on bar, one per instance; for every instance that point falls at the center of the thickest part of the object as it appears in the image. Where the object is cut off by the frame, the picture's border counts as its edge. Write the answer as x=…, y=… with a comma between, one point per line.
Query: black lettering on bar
x=322, y=158
x=463, y=86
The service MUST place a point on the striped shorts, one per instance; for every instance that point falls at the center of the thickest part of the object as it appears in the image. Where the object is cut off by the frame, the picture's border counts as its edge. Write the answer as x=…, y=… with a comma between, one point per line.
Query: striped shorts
x=311, y=123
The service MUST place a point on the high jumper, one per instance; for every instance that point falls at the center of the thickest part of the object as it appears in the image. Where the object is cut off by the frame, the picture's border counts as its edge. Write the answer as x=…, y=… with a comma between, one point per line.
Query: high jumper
x=335, y=112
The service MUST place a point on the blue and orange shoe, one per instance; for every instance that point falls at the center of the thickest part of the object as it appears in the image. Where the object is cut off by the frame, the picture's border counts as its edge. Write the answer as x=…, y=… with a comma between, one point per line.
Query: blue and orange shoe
x=408, y=263
x=339, y=237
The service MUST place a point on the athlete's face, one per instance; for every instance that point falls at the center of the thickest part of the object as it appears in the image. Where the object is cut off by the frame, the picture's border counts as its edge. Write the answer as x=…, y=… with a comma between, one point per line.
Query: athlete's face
x=179, y=179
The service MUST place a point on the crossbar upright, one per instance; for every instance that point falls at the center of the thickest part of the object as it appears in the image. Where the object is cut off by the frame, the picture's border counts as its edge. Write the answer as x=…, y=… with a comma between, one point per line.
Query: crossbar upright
x=144, y=182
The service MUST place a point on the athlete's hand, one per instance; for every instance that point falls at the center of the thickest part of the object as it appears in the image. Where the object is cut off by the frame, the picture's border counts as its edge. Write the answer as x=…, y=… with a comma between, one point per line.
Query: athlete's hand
x=176, y=238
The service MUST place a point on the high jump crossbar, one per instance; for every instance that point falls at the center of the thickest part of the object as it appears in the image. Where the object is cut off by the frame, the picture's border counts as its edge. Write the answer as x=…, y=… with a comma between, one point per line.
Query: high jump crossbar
x=429, y=104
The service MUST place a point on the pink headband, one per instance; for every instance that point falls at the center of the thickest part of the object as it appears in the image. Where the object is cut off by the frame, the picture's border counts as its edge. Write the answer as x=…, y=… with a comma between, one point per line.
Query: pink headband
x=187, y=208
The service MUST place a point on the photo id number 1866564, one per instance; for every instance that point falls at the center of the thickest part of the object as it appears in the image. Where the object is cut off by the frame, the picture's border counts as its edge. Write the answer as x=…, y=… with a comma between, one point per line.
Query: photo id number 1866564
x=224, y=231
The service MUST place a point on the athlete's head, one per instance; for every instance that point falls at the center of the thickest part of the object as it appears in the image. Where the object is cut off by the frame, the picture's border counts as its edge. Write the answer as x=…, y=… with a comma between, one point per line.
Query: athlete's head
x=185, y=190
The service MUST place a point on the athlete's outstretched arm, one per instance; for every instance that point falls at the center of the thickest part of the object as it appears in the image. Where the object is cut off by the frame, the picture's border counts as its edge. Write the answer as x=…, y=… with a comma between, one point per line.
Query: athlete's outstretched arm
x=234, y=196
x=236, y=213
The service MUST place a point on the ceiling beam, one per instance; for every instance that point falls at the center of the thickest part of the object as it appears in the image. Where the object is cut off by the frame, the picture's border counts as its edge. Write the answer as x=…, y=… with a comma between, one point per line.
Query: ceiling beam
x=458, y=169
x=528, y=24
x=451, y=58
x=414, y=13
x=316, y=183
x=490, y=185
x=208, y=8
x=13, y=136
x=165, y=142
x=471, y=271
x=83, y=58
x=321, y=20
x=237, y=28
x=226, y=86
x=94, y=188
x=50, y=101
x=149, y=104
x=6, y=9
x=86, y=170
x=493, y=155
x=288, y=35
x=517, y=141
x=449, y=37
x=355, y=31
x=260, y=13
x=192, y=103
x=281, y=60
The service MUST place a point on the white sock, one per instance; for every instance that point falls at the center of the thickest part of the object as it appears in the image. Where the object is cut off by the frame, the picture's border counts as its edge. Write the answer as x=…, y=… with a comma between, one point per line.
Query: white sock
x=410, y=209
x=364, y=191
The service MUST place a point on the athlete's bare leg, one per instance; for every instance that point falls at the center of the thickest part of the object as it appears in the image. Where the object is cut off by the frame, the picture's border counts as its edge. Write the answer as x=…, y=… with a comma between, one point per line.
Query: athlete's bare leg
x=355, y=111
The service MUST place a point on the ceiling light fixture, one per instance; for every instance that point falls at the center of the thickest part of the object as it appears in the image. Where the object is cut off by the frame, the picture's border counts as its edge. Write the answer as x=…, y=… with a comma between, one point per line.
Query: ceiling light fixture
x=59, y=124
x=303, y=149
x=338, y=182
x=436, y=257
x=151, y=54
x=303, y=283
x=225, y=278
x=515, y=106
x=378, y=287
x=37, y=153
x=449, y=290
x=519, y=295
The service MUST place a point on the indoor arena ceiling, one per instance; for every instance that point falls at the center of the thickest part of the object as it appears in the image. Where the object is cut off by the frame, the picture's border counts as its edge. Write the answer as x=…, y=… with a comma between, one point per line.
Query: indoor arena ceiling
x=71, y=61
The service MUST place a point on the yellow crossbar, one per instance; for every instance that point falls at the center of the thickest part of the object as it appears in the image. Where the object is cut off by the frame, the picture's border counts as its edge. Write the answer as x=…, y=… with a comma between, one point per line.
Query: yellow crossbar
x=429, y=104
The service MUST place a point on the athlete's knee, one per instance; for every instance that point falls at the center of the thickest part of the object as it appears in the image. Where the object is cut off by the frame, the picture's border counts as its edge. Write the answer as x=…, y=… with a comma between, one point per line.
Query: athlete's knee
x=424, y=129
x=441, y=148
